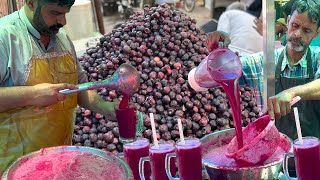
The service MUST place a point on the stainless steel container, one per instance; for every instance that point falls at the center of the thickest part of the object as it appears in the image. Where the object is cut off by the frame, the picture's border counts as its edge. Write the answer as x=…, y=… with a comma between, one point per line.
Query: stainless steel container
x=116, y=160
x=266, y=172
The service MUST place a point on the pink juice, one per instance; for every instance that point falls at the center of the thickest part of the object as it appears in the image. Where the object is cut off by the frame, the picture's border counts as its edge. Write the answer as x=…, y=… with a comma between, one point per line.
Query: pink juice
x=225, y=68
x=127, y=120
x=158, y=156
x=133, y=152
x=217, y=157
x=231, y=87
x=189, y=159
x=307, y=158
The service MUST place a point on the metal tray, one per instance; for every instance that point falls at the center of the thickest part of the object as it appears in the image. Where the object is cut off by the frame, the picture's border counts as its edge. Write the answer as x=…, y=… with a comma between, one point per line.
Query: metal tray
x=107, y=156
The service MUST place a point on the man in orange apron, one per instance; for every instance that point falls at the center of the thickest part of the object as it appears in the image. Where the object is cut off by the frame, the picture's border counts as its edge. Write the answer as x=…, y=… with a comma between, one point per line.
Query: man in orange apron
x=37, y=59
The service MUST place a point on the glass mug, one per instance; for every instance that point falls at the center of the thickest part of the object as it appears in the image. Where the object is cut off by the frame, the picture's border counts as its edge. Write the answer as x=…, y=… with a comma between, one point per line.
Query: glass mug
x=306, y=158
x=189, y=157
x=157, y=158
x=127, y=121
x=133, y=152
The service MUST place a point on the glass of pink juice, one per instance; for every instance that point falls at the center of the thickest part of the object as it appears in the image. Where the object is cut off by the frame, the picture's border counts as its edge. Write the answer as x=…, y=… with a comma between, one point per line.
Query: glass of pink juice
x=127, y=121
x=133, y=152
x=306, y=158
x=157, y=156
x=189, y=157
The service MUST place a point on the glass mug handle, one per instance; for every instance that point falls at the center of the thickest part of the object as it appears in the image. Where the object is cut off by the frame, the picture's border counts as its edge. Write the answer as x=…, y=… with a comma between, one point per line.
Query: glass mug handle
x=141, y=165
x=285, y=165
x=167, y=166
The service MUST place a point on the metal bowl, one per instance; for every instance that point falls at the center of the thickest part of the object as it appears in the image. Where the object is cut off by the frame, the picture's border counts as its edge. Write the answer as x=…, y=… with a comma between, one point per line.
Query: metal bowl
x=116, y=160
x=268, y=171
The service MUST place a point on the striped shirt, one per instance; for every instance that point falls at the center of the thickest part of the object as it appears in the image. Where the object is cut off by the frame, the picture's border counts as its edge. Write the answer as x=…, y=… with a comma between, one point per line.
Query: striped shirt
x=252, y=73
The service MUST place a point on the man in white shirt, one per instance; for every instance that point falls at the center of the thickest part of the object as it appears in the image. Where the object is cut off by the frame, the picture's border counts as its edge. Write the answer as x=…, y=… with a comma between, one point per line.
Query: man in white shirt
x=239, y=25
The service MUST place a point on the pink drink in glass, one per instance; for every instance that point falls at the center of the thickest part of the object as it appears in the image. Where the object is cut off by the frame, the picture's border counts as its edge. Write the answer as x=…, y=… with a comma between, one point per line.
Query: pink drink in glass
x=307, y=158
x=133, y=152
x=189, y=159
x=158, y=156
x=127, y=121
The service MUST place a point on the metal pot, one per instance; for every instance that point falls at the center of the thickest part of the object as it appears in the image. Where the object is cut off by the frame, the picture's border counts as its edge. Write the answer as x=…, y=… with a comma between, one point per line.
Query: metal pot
x=116, y=160
x=264, y=172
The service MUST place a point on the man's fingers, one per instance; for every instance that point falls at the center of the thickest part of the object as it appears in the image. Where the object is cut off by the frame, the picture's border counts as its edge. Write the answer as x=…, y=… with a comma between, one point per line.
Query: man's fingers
x=61, y=97
x=288, y=107
x=270, y=108
x=65, y=86
x=276, y=107
x=255, y=27
x=70, y=86
x=283, y=108
x=226, y=42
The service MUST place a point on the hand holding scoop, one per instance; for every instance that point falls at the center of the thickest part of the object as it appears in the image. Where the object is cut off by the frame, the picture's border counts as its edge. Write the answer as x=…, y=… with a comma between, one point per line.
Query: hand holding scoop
x=126, y=79
x=260, y=139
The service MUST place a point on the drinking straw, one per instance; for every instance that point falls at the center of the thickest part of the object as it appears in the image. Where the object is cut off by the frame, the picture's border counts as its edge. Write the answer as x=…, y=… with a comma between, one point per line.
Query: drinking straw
x=295, y=100
x=181, y=131
x=154, y=134
x=296, y=117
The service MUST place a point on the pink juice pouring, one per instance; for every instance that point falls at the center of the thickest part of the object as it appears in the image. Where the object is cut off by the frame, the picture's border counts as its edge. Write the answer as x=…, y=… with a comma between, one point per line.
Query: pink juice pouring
x=189, y=159
x=158, y=156
x=225, y=68
x=133, y=152
x=307, y=158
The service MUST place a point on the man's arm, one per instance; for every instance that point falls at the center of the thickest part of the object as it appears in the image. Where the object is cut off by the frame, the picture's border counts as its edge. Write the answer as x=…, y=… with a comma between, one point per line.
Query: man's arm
x=40, y=95
x=15, y=97
x=279, y=105
x=92, y=100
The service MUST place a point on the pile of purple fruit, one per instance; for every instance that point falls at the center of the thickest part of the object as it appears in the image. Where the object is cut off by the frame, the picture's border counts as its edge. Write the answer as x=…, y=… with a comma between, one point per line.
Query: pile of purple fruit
x=163, y=44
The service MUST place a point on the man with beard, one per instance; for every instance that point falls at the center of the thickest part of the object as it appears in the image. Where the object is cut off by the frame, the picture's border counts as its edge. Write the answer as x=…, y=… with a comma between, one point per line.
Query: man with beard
x=296, y=73
x=37, y=59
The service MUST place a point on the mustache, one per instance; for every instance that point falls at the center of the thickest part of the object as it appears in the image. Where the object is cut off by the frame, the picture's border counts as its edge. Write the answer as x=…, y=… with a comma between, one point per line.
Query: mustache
x=296, y=40
x=56, y=27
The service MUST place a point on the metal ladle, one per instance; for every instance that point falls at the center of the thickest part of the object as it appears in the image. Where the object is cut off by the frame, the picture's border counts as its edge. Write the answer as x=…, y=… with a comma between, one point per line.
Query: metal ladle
x=126, y=80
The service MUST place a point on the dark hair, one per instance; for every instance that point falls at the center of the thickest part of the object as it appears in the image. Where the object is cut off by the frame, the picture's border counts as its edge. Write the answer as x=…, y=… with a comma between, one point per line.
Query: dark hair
x=59, y=2
x=286, y=9
x=255, y=8
x=311, y=7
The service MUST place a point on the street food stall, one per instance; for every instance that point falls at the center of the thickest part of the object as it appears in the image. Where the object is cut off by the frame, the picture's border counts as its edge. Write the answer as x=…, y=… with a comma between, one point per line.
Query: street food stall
x=180, y=110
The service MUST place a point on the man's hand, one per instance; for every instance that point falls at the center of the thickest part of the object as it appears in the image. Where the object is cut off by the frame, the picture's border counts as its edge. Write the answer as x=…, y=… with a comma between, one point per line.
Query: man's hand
x=111, y=109
x=259, y=25
x=47, y=94
x=280, y=104
x=214, y=38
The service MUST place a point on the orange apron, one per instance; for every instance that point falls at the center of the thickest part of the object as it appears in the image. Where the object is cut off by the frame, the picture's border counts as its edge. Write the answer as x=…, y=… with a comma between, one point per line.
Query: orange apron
x=29, y=129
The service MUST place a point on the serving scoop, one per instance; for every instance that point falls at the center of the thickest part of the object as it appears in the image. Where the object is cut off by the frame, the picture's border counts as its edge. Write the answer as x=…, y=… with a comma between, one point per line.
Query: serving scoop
x=126, y=80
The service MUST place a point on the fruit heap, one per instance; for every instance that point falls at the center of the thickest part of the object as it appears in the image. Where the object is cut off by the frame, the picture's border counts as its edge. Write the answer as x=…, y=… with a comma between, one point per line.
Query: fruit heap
x=163, y=44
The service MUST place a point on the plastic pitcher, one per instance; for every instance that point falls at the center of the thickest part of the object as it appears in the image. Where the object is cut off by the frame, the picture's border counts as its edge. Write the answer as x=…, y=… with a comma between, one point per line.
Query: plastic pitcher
x=219, y=65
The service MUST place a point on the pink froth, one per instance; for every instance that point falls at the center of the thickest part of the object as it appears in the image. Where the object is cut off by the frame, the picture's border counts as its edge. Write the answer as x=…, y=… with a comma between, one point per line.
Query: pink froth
x=67, y=166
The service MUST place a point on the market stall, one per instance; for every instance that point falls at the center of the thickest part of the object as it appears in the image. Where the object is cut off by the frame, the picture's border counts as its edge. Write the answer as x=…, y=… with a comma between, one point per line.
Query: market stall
x=211, y=124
